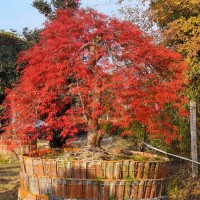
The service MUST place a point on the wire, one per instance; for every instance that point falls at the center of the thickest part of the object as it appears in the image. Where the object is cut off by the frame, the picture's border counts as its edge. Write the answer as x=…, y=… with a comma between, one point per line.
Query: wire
x=183, y=158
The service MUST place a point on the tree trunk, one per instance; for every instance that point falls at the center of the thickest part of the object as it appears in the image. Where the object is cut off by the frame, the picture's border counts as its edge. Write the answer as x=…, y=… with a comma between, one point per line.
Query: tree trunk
x=93, y=139
x=193, y=131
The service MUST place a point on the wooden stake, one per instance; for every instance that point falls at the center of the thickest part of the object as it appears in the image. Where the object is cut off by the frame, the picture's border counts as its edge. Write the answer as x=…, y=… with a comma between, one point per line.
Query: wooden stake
x=193, y=131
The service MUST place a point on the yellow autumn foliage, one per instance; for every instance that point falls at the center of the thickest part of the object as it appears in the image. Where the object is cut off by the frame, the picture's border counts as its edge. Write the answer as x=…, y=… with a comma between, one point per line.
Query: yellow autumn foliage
x=179, y=21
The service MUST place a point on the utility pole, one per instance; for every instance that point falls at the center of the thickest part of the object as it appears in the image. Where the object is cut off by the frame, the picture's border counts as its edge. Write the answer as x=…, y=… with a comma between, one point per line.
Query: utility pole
x=193, y=132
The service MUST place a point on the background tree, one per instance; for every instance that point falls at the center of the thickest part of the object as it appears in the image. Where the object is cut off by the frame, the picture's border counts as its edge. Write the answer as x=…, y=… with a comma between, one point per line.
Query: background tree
x=135, y=12
x=89, y=70
x=180, y=21
x=10, y=45
x=31, y=36
x=48, y=8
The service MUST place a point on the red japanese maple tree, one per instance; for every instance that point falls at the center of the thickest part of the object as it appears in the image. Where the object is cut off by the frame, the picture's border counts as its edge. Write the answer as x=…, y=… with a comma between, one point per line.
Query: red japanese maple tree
x=89, y=70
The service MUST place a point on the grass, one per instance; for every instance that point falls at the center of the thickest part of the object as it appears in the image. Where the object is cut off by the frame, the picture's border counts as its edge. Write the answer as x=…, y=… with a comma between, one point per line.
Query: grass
x=181, y=185
x=3, y=161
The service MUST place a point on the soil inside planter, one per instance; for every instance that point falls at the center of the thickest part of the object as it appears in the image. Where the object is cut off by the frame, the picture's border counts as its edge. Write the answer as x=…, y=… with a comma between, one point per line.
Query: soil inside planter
x=89, y=154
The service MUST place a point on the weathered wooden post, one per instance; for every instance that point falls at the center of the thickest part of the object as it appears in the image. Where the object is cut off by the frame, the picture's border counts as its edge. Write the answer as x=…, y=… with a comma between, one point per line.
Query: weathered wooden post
x=193, y=131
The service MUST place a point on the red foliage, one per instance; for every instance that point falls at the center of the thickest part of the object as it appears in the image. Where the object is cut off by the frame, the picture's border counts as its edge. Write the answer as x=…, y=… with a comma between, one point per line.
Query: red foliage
x=89, y=70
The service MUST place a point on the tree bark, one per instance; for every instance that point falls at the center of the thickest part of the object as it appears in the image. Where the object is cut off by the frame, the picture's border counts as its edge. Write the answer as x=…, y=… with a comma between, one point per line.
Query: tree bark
x=93, y=136
x=193, y=131
x=93, y=139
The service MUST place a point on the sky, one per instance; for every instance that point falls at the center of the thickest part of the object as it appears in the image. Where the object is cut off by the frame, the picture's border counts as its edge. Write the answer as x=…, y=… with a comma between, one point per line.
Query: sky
x=18, y=14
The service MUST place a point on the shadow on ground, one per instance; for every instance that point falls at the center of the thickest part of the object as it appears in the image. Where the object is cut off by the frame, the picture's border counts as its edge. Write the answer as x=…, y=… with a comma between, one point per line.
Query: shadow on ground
x=9, y=195
x=9, y=181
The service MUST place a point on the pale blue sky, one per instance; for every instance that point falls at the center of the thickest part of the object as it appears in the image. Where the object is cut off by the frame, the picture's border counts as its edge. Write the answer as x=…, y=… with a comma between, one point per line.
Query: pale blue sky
x=17, y=14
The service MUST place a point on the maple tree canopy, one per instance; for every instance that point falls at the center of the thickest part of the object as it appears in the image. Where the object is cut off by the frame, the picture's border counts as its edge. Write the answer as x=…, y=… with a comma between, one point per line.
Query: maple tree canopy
x=89, y=70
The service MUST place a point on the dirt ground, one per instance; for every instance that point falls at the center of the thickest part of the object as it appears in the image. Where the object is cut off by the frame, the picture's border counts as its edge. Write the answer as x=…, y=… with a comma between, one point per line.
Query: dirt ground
x=9, y=181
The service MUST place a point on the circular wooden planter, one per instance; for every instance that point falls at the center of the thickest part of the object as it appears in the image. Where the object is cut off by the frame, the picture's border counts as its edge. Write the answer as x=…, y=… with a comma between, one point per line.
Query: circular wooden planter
x=11, y=148
x=101, y=180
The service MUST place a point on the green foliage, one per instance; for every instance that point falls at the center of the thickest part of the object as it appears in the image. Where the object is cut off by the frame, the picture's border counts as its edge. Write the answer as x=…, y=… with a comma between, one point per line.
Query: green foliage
x=99, y=179
x=3, y=161
x=131, y=179
x=48, y=8
x=31, y=36
x=43, y=7
x=137, y=135
x=133, y=139
x=10, y=45
x=174, y=187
